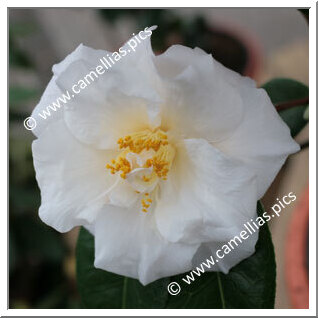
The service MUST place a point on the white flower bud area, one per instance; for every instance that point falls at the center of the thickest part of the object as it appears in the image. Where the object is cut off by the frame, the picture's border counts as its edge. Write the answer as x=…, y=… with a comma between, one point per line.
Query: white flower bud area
x=145, y=159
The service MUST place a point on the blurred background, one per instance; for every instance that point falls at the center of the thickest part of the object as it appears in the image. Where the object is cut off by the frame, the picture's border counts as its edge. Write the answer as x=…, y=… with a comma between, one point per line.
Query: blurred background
x=260, y=43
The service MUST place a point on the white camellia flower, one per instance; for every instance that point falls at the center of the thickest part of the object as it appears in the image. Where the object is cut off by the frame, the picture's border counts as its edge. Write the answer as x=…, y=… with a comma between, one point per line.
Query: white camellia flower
x=162, y=158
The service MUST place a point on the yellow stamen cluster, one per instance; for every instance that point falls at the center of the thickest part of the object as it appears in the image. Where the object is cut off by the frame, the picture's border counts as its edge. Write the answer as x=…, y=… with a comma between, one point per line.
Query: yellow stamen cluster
x=121, y=164
x=145, y=139
x=161, y=161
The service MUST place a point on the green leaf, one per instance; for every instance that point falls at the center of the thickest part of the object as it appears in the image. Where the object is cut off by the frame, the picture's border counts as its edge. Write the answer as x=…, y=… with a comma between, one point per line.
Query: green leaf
x=250, y=284
x=283, y=90
x=21, y=95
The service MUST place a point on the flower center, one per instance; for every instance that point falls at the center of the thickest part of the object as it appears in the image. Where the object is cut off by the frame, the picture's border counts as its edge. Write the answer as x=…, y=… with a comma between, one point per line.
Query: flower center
x=146, y=158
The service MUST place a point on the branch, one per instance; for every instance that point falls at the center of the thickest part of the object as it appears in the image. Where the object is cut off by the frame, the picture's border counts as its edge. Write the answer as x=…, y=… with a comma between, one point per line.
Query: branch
x=292, y=103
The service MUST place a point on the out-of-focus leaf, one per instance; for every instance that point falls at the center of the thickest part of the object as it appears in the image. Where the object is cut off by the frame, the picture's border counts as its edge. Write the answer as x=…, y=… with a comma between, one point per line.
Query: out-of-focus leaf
x=22, y=29
x=20, y=160
x=305, y=13
x=24, y=198
x=282, y=90
x=21, y=94
x=13, y=253
x=16, y=56
x=53, y=299
x=36, y=239
x=306, y=113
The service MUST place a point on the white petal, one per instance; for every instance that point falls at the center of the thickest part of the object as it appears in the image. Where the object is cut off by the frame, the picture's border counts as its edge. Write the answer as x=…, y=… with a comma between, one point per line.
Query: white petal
x=176, y=59
x=116, y=103
x=205, y=99
x=52, y=91
x=198, y=102
x=207, y=197
x=262, y=141
x=82, y=52
x=239, y=252
x=122, y=194
x=127, y=243
x=72, y=178
x=135, y=179
x=50, y=94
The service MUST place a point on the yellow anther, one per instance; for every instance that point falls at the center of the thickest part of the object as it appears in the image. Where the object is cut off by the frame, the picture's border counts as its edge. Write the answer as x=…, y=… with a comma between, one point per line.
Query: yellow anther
x=120, y=164
x=146, y=179
x=145, y=139
x=148, y=163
